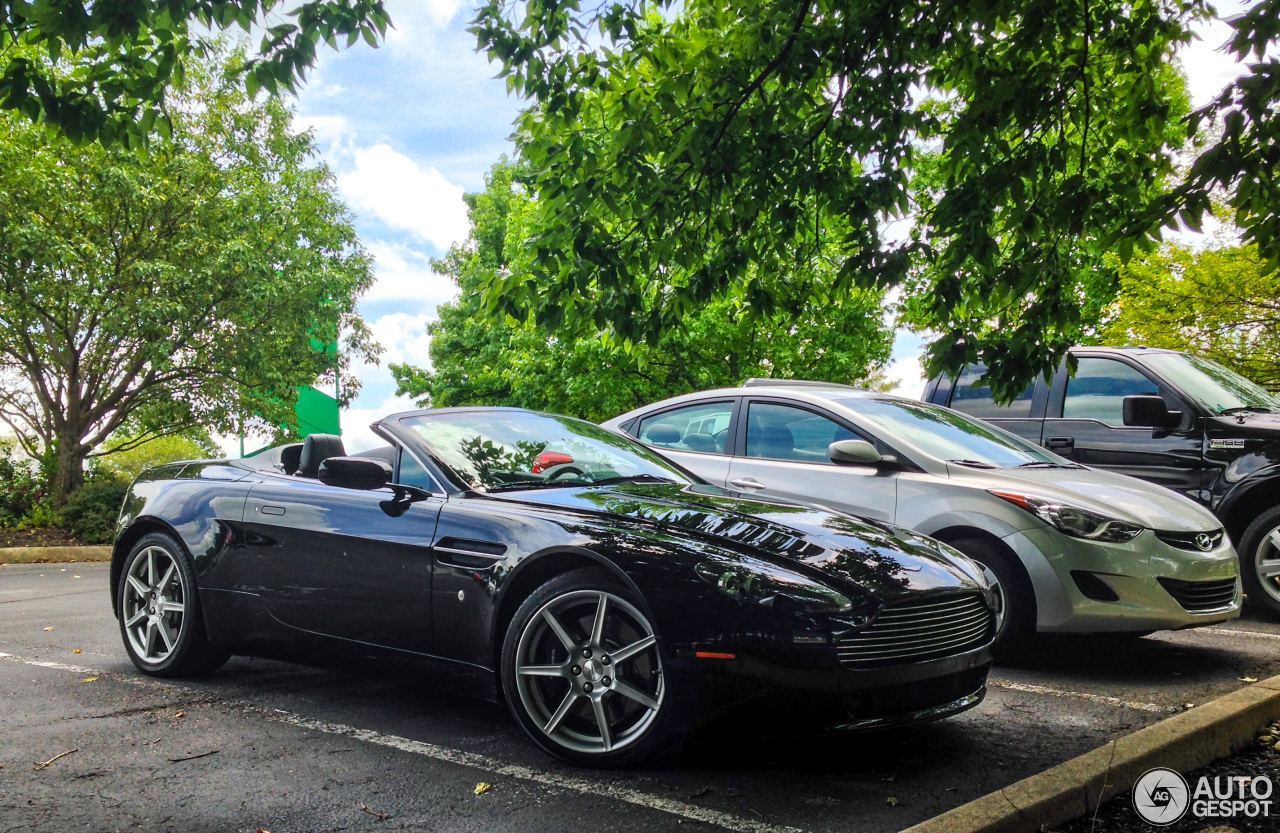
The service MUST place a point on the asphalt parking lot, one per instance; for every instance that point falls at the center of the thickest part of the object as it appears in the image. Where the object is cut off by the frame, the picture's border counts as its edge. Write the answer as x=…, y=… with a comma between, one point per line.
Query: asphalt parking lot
x=263, y=745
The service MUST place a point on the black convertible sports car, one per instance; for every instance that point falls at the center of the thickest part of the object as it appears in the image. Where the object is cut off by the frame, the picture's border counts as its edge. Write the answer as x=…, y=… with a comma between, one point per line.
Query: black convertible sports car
x=609, y=596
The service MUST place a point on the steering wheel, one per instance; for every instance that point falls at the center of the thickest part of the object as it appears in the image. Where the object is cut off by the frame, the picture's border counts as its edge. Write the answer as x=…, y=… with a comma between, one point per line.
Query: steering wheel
x=561, y=471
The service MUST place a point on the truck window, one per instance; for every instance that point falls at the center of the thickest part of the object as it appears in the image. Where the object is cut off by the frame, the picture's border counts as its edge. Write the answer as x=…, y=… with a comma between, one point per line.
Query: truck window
x=978, y=401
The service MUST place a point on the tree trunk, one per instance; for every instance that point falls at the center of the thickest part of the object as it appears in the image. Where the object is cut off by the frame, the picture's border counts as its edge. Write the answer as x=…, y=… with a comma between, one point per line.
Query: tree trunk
x=69, y=472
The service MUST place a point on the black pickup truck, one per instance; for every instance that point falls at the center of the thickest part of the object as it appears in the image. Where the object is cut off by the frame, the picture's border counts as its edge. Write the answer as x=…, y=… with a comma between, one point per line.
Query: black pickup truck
x=1172, y=418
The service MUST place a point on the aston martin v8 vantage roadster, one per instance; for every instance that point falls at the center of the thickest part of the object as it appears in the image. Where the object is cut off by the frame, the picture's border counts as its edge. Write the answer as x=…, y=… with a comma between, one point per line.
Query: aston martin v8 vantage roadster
x=608, y=596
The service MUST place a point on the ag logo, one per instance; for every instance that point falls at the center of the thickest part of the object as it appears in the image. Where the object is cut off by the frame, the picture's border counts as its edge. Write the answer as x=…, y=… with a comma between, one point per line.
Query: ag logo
x=1161, y=796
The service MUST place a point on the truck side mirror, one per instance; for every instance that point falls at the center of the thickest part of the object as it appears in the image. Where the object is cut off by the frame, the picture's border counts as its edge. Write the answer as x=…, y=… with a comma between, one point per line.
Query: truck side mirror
x=1149, y=412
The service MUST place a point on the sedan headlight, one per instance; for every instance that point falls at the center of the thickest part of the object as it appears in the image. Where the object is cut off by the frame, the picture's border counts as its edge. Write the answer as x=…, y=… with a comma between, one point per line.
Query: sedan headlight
x=1075, y=521
x=764, y=584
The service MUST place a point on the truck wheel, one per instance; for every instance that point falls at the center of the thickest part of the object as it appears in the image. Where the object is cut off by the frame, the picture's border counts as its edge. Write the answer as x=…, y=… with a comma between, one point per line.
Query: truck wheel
x=1260, y=561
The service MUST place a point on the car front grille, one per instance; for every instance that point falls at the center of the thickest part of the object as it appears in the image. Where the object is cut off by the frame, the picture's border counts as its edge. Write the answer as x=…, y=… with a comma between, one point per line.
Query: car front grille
x=1194, y=541
x=919, y=630
x=1200, y=596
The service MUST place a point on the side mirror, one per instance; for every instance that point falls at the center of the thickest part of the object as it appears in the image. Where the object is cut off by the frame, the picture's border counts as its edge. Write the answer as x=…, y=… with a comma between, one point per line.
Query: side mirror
x=1149, y=412
x=856, y=453
x=355, y=473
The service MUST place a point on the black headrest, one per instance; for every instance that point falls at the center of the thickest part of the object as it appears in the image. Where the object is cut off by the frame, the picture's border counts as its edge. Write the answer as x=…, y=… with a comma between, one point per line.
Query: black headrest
x=662, y=433
x=315, y=450
x=290, y=456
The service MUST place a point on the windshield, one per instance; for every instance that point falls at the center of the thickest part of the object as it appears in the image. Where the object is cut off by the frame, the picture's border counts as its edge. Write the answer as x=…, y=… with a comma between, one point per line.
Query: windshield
x=948, y=435
x=499, y=450
x=1211, y=384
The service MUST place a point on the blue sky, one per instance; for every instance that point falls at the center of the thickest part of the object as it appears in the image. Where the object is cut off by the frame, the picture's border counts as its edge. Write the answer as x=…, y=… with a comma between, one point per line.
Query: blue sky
x=411, y=126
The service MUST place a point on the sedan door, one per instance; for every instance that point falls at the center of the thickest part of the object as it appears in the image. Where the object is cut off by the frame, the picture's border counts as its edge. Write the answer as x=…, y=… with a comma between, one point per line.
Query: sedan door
x=342, y=562
x=782, y=453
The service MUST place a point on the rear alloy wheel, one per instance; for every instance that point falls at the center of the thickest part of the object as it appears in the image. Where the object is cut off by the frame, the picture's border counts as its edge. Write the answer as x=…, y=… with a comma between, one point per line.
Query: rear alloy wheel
x=583, y=671
x=159, y=611
x=1260, y=561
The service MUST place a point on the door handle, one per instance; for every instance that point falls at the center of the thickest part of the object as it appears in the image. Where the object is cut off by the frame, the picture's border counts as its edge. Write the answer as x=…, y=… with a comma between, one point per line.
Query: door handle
x=1067, y=444
x=746, y=483
x=268, y=509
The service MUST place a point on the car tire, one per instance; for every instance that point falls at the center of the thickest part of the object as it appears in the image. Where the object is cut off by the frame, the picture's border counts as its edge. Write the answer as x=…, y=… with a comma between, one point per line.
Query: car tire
x=580, y=689
x=1260, y=561
x=1018, y=623
x=158, y=606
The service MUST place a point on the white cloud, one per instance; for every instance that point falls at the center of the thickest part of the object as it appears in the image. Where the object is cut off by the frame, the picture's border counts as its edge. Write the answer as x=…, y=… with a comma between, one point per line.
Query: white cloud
x=327, y=129
x=356, y=436
x=394, y=189
x=907, y=376
x=404, y=338
x=405, y=274
x=414, y=19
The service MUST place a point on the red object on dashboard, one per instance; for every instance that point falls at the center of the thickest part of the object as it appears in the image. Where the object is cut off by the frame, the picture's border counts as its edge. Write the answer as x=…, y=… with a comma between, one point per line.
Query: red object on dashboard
x=547, y=459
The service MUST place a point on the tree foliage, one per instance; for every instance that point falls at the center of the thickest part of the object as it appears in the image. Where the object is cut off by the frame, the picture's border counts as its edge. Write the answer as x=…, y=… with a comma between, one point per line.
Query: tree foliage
x=479, y=360
x=125, y=57
x=1221, y=303
x=717, y=147
x=184, y=287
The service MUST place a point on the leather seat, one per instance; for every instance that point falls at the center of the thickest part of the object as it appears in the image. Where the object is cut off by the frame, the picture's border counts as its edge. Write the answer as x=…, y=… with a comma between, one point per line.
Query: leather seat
x=315, y=450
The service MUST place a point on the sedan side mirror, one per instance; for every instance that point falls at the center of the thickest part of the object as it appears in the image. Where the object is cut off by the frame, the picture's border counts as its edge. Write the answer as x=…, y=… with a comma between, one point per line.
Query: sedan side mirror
x=856, y=453
x=1149, y=412
x=355, y=473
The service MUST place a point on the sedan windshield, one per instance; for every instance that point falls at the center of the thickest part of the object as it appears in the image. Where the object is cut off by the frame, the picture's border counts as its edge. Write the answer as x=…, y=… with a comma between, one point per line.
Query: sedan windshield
x=950, y=436
x=502, y=450
x=1212, y=385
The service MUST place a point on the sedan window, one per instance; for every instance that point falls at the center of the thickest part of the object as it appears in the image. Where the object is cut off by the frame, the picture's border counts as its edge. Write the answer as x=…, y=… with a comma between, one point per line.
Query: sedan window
x=703, y=427
x=949, y=436
x=781, y=432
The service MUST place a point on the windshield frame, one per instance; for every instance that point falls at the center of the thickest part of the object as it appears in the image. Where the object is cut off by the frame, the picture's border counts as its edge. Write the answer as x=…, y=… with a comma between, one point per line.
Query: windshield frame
x=894, y=437
x=1160, y=363
x=401, y=427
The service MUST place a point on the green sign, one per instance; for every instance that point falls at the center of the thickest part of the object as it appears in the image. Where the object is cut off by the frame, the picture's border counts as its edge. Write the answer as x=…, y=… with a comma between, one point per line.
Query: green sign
x=317, y=412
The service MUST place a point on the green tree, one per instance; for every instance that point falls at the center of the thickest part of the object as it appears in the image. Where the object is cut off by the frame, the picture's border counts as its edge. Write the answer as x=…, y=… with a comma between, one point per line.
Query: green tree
x=118, y=60
x=128, y=464
x=479, y=360
x=711, y=146
x=1221, y=303
x=184, y=287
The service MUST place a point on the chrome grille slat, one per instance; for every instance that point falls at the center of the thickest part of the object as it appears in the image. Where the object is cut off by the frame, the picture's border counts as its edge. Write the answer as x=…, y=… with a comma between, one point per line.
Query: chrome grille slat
x=913, y=630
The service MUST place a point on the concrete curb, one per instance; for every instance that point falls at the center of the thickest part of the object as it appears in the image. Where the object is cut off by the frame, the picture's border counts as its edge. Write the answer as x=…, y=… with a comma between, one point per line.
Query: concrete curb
x=39, y=555
x=1075, y=788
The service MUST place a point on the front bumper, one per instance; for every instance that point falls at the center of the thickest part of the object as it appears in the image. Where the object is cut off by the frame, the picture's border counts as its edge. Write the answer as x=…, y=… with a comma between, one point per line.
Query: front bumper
x=1132, y=571
x=824, y=696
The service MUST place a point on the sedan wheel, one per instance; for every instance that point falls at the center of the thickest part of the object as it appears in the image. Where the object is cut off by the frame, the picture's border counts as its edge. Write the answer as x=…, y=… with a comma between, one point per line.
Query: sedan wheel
x=1260, y=561
x=586, y=671
x=159, y=609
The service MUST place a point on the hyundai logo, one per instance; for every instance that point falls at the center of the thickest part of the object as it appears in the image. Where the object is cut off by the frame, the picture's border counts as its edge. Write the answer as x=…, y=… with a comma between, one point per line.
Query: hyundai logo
x=1204, y=542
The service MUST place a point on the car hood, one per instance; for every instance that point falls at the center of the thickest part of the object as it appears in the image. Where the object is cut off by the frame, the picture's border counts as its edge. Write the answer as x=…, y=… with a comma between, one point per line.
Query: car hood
x=887, y=561
x=1126, y=498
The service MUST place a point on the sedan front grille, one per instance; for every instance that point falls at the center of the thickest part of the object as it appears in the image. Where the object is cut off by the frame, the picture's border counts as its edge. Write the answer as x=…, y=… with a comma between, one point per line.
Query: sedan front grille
x=1201, y=596
x=919, y=630
x=1194, y=541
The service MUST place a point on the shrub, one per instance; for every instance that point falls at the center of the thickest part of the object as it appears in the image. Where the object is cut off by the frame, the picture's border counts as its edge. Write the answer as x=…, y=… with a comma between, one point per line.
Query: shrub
x=91, y=511
x=20, y=488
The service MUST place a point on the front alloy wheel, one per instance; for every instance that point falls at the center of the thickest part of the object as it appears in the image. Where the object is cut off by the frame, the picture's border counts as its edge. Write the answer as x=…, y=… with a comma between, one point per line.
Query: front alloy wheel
x=1260, y=561
x=585, y=668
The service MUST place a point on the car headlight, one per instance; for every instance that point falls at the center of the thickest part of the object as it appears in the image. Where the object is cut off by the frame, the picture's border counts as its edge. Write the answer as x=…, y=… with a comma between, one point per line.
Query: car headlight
x=1073, y=520
x=764, y=584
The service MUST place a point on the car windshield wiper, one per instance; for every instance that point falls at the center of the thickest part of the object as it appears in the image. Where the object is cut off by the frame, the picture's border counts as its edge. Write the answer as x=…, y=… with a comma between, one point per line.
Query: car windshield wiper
x=632, y=478
x=973, y=464
x=1045, y=464
x=1261, y=409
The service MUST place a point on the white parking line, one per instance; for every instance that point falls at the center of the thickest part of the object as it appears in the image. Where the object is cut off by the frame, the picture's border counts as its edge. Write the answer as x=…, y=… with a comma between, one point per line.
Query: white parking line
x=1258, y=634
x=1080, y=695
x=564, y=781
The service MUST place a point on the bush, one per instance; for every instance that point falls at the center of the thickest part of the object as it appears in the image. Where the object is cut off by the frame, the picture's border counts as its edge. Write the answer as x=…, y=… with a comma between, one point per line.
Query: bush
x=91, y=511
x=20, y=487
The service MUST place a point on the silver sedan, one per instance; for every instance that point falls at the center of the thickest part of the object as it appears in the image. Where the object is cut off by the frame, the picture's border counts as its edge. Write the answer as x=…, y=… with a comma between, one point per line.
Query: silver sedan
x=1072, y=549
